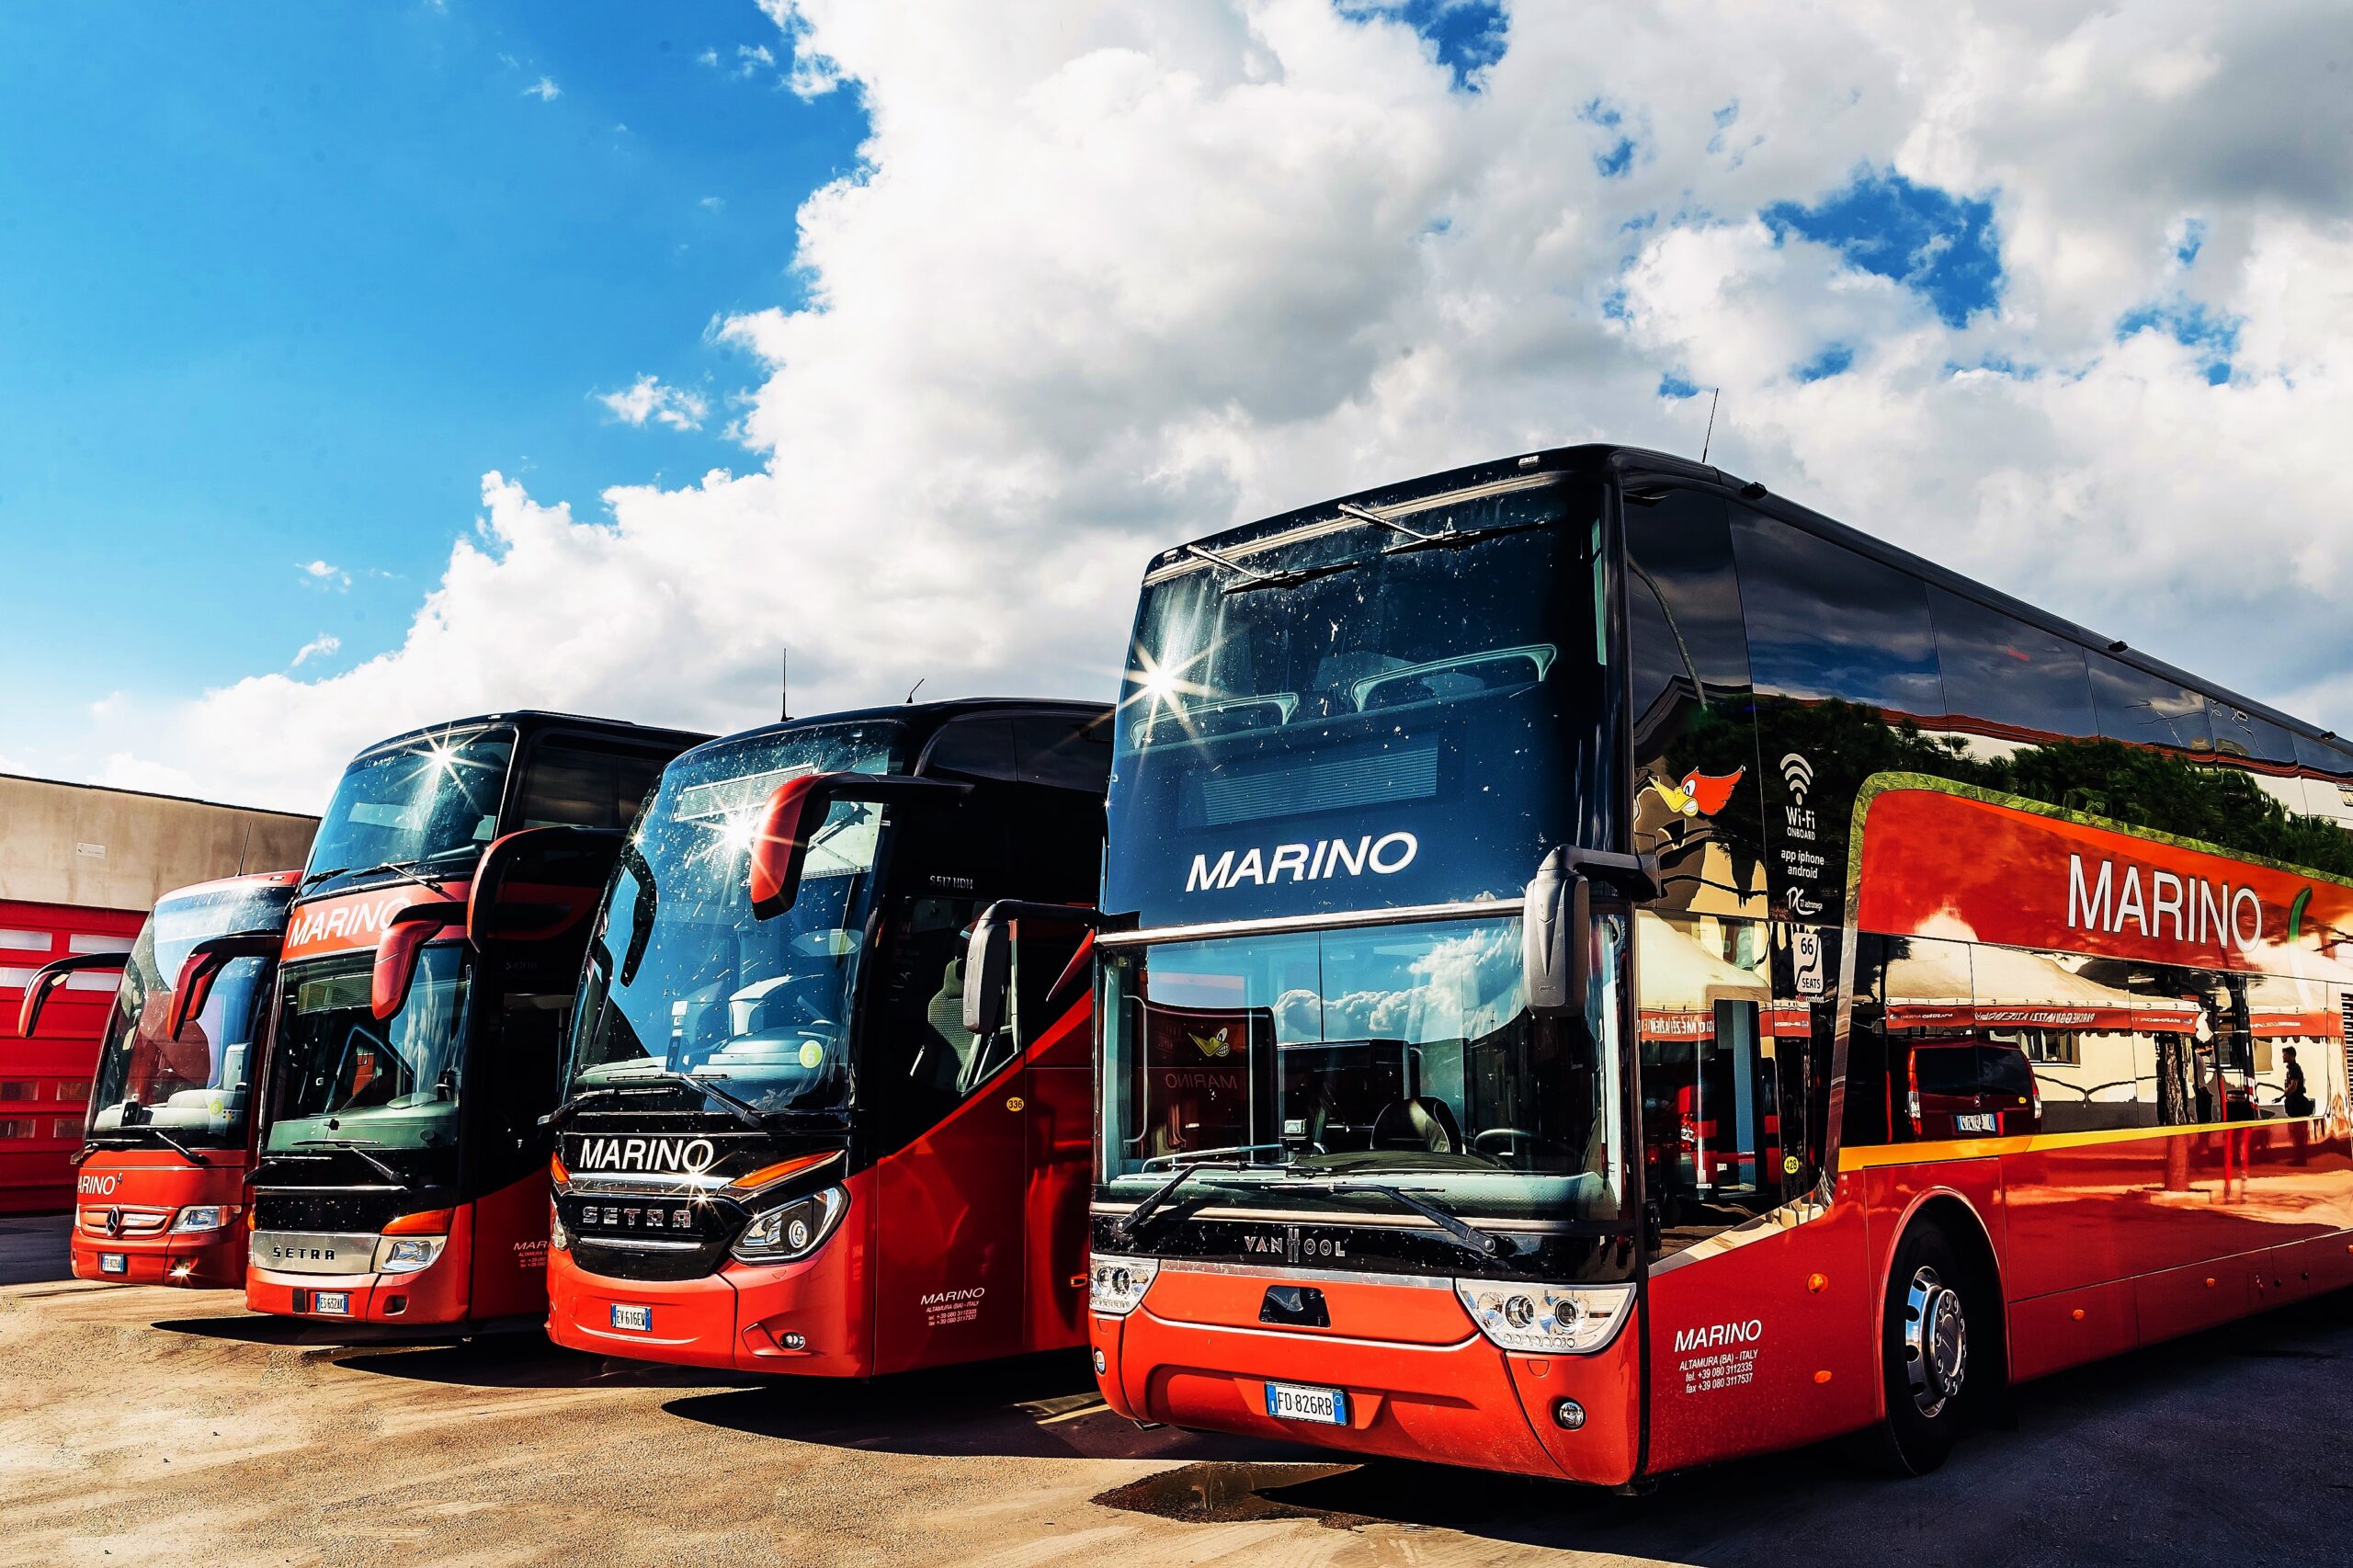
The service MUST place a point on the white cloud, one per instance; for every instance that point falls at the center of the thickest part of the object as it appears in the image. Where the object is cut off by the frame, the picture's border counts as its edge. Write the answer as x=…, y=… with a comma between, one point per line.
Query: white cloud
x=1115, y=275
x=324, y=574
x=544, y=90
x=318, y=647
x=646, y=398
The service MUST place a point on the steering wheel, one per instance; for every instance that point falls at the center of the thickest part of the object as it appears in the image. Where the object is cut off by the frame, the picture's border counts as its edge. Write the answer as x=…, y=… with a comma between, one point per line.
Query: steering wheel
x=1514, y=1134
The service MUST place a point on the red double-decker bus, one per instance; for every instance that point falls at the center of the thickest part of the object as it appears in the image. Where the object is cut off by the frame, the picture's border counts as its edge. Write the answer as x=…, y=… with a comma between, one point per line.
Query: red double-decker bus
x=430, y=958
x=1615, y=970
x=787, y=1144
x=160, y=1180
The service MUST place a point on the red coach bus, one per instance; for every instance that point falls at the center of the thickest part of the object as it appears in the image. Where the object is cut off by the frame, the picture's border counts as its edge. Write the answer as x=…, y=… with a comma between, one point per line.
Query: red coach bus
x=160, y=1190
x=783, y=1148
x=1613, y=971
x=430, y=958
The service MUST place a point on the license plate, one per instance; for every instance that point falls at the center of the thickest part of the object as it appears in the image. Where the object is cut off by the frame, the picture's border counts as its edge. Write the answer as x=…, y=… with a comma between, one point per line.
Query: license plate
x=1300, y=1402
x=114, y=1263
x=640, y=1319
x=335, y=1302
x=1979, y=1121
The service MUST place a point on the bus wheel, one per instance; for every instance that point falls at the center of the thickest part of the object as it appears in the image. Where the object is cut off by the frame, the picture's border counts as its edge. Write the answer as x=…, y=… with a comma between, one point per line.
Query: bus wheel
x=1926, y=1351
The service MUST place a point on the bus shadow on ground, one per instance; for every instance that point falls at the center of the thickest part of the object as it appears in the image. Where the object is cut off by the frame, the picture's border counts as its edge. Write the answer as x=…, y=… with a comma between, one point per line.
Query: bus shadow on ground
x=1030, y=1407
x=2224, y=1447
x=516, y=1359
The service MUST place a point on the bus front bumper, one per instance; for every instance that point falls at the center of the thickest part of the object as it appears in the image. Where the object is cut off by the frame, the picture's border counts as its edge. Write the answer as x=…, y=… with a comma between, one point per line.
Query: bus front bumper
x=433, y=1296
x=799, y=1317
x=1466, y=1402
x=212, y=1260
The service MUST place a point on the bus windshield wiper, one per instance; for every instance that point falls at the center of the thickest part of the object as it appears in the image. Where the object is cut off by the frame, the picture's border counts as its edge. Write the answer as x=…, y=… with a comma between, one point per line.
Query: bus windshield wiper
x=1125, y=1226
x=1464, y=1236
x=407, y=871
x=1447, y=538
x=1248, y=577
x=1128, y=1224
x=740, y=1109
x=358, y=1148
x=404, y=870
x=157, y=1134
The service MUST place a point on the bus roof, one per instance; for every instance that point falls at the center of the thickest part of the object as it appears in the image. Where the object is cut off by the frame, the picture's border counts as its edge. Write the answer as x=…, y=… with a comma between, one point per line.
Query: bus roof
x=1635, y=464
x=922, y=720
x=539, y=719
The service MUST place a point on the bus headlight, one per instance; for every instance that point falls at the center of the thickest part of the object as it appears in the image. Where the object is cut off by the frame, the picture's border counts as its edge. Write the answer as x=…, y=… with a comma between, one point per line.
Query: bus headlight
x=559, y=1238
x=406, y=1255
x=202, y=1217
x=1115, y=1286
x=791, y=1230
x=1574, y=1320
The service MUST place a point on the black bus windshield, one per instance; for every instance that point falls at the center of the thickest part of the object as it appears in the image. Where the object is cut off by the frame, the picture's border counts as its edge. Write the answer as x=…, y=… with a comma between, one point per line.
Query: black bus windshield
x=431, y=800
x=1416, y=725
x=343, y=1074
x=684, y=982
x=1359, y=1052
x=196, y=1087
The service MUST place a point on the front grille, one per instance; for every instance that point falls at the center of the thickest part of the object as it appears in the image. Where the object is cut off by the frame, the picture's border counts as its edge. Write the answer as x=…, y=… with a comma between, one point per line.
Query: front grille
x=339, y=1213
x=629, y=1236
x=288, y=1252
x=130, y=1222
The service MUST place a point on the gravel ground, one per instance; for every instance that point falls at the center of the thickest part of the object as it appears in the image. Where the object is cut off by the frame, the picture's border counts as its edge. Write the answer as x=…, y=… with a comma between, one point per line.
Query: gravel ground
x=145, y=1425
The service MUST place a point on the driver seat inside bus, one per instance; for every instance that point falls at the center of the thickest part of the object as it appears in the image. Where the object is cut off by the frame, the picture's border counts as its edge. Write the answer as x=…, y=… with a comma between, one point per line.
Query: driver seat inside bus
x=1418, y=1123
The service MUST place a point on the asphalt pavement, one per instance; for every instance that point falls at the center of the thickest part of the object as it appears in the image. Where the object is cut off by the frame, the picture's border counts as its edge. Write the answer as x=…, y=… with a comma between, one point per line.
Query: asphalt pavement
x=146, y=1425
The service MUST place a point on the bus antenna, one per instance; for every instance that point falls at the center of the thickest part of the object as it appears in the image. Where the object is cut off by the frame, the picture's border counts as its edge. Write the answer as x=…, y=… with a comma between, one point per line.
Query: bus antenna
x=1705, y=441
x=784, y=687
x=917, y=686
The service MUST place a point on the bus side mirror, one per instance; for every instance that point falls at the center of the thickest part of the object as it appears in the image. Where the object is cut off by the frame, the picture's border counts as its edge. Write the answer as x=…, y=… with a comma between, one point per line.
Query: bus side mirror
x=50, y=976
x=1556, y=940
x=203, y=966
x=797, y=809
x=538, y=883
x=794, y=812
x=399, y=948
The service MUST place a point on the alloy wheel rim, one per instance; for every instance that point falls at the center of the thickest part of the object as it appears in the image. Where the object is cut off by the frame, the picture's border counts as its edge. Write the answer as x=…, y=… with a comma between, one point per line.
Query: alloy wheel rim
x=1936, y=1341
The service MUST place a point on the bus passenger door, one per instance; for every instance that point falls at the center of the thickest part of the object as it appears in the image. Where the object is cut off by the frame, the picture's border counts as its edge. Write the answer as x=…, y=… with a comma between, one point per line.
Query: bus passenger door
x=1054, y=1022
x=952, y=1112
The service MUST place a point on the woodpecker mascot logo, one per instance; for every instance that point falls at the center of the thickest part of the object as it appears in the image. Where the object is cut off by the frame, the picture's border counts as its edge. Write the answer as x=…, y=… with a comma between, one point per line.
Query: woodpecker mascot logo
x=1698, y=794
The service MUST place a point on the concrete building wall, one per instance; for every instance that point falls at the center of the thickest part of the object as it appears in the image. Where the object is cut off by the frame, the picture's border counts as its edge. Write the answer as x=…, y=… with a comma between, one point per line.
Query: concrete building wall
x=78, y=844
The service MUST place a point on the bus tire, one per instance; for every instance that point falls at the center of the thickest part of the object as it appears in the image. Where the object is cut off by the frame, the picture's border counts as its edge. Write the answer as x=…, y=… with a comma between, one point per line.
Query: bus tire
x=1937, y=1351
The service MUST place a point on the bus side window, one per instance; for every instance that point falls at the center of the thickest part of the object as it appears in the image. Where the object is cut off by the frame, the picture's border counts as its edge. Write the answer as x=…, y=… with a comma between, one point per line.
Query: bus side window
x=2002, y=676
x=1840, y=647
x=1061, y=755
x=2149, y=710
x=1696, y=800
x=582, y=784
x=1869, y=1109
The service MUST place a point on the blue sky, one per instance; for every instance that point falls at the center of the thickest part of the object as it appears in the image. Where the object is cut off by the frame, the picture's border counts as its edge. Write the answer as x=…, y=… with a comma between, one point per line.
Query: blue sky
x=282, y=287
x=279, y=284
